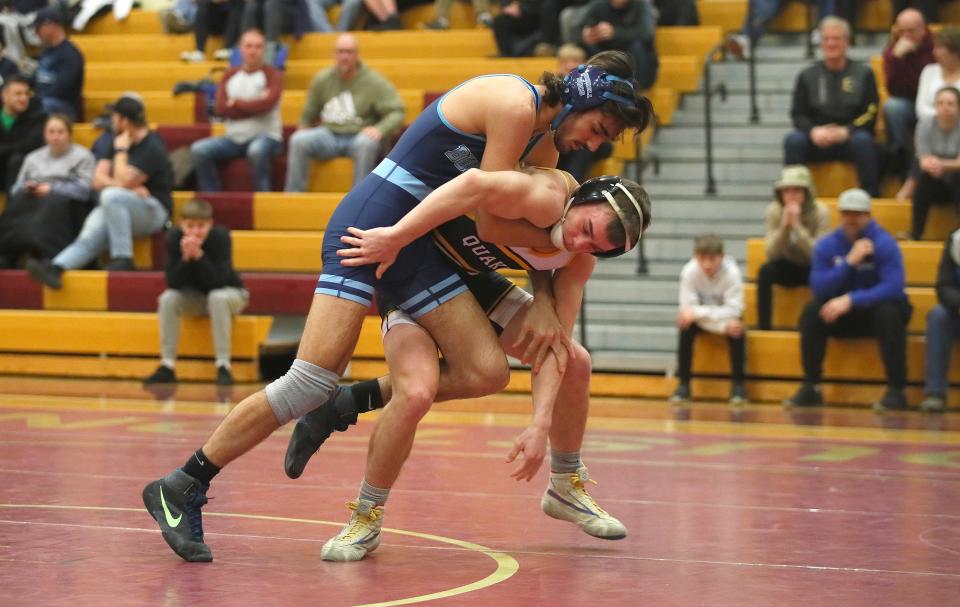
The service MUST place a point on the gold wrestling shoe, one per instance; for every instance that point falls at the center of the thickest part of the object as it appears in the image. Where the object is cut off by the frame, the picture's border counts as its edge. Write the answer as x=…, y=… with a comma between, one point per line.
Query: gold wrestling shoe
x=566, y=499
x=359, y=537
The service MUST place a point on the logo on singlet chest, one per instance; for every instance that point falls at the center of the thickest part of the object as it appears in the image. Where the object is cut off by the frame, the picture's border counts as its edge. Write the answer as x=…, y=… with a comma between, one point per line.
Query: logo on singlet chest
x=462, y=158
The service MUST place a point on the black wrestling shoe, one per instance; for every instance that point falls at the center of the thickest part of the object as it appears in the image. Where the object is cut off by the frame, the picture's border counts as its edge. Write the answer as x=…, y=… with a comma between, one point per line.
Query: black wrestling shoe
x=338, y=413
x=170, y=500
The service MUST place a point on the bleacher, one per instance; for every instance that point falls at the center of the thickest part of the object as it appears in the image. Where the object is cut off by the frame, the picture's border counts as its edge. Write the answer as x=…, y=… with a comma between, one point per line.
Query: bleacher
x=104, y=325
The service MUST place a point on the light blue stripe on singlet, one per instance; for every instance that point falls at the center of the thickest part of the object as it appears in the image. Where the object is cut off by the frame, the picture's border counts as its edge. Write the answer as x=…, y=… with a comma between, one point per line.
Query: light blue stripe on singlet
x=427, y=292
x=436, y=304
x=340, y=280
x=364, y=301
x=400, y=177
x=443, y=119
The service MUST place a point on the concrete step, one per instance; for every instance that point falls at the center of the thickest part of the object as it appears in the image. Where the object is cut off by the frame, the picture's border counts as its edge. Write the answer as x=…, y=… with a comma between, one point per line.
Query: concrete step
x=677, y=249
x=738, y=102
x=633, y=361
x=665, y=189
x=617, y=290
x=725, y=228
x=766, y=172
x=739, y=135
x=661, y=339
x=640, y=314
x=667, y=153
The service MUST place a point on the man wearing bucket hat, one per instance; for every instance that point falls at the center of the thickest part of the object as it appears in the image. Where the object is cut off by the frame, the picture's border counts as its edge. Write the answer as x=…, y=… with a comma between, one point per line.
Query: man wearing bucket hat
x=858, y=291
x=795, y=221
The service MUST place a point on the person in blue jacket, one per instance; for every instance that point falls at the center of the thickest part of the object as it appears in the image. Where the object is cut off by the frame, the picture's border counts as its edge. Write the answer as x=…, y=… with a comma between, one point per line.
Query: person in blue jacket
x=857, y=280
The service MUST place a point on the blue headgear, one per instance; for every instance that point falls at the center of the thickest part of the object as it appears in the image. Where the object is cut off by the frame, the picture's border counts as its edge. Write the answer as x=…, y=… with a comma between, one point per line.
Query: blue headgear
x=586, y=87
x=602, y=189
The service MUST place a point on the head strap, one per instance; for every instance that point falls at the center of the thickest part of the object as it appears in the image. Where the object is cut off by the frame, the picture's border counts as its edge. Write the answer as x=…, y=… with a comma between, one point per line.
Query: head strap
x=589, y=86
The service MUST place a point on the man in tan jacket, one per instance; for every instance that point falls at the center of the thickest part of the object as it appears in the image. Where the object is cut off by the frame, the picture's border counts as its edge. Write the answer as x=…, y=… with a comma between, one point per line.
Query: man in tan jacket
x=795, y=220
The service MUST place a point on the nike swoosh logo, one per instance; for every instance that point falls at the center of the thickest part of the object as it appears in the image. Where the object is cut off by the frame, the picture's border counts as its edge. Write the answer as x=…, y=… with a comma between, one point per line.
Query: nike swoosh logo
x=171, y=521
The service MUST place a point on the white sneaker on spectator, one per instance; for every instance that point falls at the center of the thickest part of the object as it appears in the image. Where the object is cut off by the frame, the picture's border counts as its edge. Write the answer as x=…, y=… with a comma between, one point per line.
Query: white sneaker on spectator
x=121, y=9
x=739, y=46
x=88, y=9
x=223, y=54
x=192, y=56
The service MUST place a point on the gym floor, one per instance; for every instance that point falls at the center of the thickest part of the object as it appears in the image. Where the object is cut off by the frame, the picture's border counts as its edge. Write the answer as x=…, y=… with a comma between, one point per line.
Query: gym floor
x=725, y=507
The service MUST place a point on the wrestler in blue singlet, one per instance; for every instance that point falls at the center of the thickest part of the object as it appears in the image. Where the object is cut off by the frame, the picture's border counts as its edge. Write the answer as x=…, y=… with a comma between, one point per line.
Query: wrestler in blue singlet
x=430, y=153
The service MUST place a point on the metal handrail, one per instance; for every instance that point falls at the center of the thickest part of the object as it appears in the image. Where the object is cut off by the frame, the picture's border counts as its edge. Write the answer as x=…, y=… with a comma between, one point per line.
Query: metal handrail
x=709, y=60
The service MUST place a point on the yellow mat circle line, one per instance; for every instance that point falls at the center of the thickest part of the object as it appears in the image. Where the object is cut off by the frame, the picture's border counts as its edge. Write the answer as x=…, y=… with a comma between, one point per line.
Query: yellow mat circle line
x=506, y=564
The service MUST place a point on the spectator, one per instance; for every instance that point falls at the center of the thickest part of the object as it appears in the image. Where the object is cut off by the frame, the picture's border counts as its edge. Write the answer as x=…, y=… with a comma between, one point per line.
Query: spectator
x=358, y=111
x=134, y=180
x=319, y=22
x=218, y=16
x=945, y=72
x=16, y=26
x=858, y=290
x=928, y=8
x=834, y=109
x=50, y=198
x=442, y=10
x=677, y=12
x=179, y=17
x=943, y=327
x=555, y=28
x=249, y=98
x=7, y=66
x=92, y=8
x=58, y=81
x=938, y=152
x=761, y=12
x=578, y=162
x=21, y=127
x=711, y=299
x=201, y=281
x=795, y=220
x=909, y=50
x=571, y=18
x=624, y=25
x=517, y=28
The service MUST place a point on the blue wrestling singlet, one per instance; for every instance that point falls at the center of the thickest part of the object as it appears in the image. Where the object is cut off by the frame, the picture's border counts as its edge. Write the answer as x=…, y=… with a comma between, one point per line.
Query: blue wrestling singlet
x=430, y=153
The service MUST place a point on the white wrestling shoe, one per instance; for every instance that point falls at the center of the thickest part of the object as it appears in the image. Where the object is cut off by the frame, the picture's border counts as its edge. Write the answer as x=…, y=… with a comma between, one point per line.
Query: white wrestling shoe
x=359, y=537
x=566, y=499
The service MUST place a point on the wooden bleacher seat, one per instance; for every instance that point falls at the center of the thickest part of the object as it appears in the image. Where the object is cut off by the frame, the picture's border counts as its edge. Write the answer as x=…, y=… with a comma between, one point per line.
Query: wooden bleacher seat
x=832, y=178
x=920, y=260
x=117, y=344
x=788, y=304
x=894, y=216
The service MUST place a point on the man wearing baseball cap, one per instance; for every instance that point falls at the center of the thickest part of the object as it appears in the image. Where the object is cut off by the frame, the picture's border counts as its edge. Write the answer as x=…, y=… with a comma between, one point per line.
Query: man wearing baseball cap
x=134, y=182
x=857, y=280
x=59, y=78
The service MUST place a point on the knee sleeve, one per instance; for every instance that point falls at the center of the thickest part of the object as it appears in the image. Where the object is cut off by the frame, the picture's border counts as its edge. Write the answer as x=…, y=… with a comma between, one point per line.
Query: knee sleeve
x=301, y=390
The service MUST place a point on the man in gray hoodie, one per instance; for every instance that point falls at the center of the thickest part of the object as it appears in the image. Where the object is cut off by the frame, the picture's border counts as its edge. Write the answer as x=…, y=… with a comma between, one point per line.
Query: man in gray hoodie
x=795, y=220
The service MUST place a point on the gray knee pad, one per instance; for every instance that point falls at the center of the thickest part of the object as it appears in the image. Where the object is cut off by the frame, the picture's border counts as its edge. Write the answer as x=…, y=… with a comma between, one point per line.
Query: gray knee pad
x=301, y=390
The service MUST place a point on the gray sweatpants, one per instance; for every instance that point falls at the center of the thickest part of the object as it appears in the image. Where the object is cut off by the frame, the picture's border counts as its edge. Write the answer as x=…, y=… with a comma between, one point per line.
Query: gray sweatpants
x=220, y=304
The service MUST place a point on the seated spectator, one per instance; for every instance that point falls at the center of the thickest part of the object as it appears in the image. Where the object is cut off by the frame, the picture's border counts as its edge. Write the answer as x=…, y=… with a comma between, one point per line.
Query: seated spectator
x=858, y=291
x=945, y=72
x=58, y=81
x=91, y=8
x=761, y=12
x=16, y=26
x=50, y=198
x=623, y=25
x=571, y=18
x=219, y=17
x=677, y=12
x=201, y=281
x=909, y=51
x=711, y=299
x=7, y=66
x=943, y=327
x=386, y=13
x=517, y=28
x=555, y=31
x=928, y=8
x=578, y=162
x=134, y=181
x=179, y=17
x=442, y=11
x=249, y=98
x=357, y=109
x=834, y=109
x=795, y=220
x=21, y=127
x=938, y=152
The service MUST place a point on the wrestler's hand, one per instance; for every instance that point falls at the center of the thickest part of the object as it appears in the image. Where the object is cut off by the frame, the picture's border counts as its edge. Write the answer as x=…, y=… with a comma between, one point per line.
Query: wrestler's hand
x=543, y=333
x=532, y=442
x=376, y=245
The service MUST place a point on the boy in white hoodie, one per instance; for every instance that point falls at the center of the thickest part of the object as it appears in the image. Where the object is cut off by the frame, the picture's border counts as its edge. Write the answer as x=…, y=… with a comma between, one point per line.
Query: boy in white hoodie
x=711, y=299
